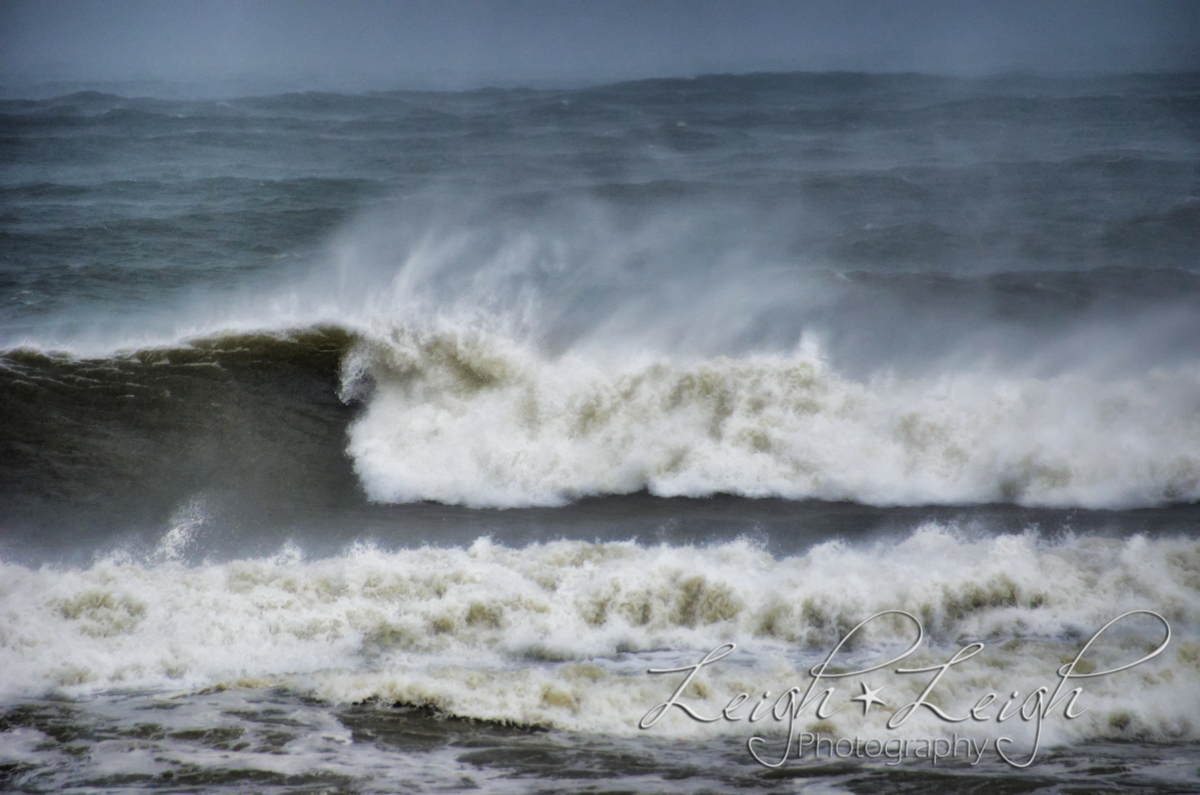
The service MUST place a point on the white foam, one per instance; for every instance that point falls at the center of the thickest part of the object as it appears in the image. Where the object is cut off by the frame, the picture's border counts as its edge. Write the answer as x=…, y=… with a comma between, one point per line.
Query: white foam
x=459, y=415
x=561, y=634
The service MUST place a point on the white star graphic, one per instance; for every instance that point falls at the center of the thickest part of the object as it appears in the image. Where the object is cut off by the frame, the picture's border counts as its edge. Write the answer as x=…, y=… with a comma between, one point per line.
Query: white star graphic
x=869, y=697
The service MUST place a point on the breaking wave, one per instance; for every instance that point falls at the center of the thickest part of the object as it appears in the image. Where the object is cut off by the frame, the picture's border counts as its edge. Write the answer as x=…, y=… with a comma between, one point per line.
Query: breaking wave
x=462, y=416
x=561, y=634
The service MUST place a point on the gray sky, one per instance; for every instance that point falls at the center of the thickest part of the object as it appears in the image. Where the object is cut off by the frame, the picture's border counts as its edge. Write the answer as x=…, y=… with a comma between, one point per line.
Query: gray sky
x=462, y=43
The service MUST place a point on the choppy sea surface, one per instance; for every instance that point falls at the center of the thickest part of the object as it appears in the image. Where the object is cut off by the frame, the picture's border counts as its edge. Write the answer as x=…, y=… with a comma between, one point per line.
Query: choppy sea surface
x=385, y=442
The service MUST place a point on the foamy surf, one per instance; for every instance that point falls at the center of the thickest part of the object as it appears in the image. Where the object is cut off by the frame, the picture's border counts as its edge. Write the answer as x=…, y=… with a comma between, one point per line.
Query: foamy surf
x=562, y=634
x=463, y=416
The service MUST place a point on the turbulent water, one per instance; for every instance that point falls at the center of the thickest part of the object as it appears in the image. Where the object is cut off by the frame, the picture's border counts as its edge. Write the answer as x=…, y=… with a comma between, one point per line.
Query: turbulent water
x=386, y=441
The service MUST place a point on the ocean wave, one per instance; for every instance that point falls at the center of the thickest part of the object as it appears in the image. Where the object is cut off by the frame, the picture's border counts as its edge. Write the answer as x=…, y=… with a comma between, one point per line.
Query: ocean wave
x=122, y=440
x=463, y=416
x=562, y=634
x=453, y=413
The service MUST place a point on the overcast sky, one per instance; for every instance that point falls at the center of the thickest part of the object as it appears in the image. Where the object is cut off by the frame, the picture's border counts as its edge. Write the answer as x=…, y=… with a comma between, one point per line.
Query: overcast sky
x=464, y=43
